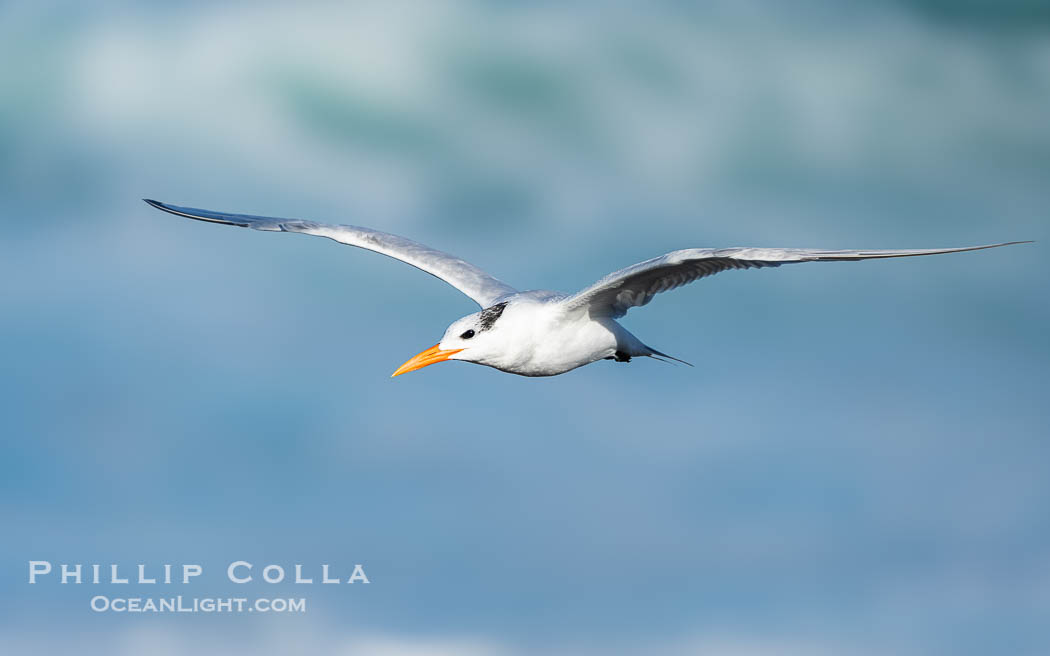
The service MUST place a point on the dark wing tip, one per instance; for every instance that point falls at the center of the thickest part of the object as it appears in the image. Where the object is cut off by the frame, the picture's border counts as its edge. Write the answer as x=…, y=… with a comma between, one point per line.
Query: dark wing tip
x=204, y=215
x=156, y=204
x=1011, y=243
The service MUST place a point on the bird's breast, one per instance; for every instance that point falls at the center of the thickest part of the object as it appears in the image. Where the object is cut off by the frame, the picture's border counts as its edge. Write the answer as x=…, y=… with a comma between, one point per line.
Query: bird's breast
x=548, y=343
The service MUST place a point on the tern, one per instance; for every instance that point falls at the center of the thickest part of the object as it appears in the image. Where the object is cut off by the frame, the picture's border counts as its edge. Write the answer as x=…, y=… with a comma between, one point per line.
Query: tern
x=541, y=332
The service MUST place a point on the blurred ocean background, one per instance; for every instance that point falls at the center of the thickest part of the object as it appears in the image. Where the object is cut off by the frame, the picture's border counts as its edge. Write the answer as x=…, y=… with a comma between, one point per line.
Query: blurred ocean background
x=858, y=464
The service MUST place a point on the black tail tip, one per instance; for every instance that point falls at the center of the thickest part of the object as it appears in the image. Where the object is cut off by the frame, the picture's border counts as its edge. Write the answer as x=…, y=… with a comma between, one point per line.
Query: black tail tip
x=669, y=357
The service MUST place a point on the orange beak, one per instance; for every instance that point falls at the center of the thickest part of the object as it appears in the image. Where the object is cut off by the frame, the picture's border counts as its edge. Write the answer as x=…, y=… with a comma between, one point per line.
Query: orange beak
x=430, y=356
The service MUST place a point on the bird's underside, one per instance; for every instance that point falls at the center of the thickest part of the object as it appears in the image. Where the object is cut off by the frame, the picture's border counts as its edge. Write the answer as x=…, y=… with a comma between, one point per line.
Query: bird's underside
x=540, y=333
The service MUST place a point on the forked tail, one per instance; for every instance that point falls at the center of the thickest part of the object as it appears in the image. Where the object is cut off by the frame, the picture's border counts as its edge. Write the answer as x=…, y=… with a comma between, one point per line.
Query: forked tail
x=657, y=355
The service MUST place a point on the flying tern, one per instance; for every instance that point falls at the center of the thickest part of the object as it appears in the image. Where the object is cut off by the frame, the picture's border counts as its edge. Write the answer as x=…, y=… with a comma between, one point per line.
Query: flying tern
x=541, y=332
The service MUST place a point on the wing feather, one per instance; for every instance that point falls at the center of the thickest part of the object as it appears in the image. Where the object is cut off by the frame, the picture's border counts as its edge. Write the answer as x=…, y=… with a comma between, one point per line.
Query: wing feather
x=483, y=288
x=636, y=285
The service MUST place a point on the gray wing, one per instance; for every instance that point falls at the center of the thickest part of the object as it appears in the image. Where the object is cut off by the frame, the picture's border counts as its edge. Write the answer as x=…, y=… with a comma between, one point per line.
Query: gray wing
x=467, y=278
x=636, y=285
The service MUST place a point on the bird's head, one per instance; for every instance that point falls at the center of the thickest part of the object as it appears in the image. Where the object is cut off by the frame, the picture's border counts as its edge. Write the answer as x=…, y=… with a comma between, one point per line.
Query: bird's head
x=472, y=338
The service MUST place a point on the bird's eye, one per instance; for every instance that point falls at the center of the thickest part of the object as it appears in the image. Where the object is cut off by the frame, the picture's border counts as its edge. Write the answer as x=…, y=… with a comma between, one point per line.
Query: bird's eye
x=468, y=334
